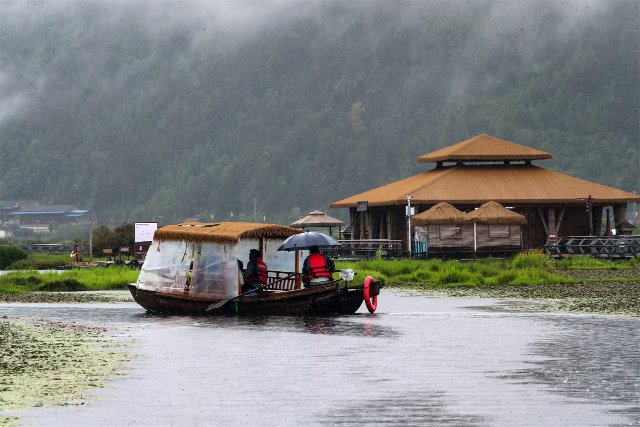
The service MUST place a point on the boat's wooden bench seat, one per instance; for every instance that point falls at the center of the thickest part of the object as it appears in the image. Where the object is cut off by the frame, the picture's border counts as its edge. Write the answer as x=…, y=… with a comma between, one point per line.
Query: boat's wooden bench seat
x=282, y=281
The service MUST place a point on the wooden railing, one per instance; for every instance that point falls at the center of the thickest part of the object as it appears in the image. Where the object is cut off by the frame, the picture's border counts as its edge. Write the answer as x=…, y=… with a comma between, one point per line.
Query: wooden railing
x=282, y=281
x=366, y=249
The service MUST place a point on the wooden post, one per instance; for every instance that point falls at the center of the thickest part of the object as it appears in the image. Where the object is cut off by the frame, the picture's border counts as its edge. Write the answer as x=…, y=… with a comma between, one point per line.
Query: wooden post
x=353, y=222
x=559, y=221
x=297, y=271
x=475, y=241
x=619, y=214
x=544, y=223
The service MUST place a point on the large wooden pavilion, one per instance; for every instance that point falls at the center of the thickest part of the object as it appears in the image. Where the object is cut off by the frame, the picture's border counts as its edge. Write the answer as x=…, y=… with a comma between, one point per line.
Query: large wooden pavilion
x=481, y=169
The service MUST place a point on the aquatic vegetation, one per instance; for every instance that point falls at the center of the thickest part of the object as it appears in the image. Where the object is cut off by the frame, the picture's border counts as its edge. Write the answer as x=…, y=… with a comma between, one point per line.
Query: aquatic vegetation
x=46, y=363
x=591, y=263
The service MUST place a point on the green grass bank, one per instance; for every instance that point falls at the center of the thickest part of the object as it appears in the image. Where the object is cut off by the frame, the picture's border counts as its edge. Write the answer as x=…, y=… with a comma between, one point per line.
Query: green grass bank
x=576, y=284
x=81, y=279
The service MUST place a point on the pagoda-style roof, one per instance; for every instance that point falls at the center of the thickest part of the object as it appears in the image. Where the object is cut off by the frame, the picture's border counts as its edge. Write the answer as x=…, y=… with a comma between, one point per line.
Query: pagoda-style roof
x=317, y=219
x=222, y=232
x=484, y=148
x=494, y=213
x=442, y=213
x=477, y=184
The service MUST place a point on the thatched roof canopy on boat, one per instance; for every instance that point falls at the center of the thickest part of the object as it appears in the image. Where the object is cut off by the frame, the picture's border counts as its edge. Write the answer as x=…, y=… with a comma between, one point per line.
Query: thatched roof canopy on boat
x=443, y=214
x=223, y=232
x=494, y=213
x=317, y=219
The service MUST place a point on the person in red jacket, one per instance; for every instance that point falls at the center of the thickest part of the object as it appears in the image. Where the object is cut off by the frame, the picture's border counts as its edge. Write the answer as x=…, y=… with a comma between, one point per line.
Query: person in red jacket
x=255, y=275
x=317, y=268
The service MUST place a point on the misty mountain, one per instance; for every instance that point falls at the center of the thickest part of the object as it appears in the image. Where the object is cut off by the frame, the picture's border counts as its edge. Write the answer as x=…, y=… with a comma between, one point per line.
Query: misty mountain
x=172, y=109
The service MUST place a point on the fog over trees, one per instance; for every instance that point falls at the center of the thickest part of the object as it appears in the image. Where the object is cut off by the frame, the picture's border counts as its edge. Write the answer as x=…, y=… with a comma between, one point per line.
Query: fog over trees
x=162, y=110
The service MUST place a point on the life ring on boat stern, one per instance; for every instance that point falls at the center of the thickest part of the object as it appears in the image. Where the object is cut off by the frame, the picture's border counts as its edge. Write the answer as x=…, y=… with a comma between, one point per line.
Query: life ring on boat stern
x=372, y=303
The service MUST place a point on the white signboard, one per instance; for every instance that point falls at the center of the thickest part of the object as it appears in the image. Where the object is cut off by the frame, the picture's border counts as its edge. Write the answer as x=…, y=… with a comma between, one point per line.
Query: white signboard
x=144, y=231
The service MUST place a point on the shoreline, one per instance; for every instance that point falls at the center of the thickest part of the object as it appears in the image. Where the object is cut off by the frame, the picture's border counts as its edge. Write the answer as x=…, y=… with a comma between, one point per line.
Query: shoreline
x=615, y=292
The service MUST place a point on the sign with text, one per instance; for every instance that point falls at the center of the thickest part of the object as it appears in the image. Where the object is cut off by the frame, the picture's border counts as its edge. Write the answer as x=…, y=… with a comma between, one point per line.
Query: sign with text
x=144, y=231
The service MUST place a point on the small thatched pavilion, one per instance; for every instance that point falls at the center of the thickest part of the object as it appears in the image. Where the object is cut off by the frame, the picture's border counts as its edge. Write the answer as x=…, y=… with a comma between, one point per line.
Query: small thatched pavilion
x=317, y=219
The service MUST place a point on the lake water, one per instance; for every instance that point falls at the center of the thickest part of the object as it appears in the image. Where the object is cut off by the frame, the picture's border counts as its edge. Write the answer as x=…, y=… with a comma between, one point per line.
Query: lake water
x=418, y=361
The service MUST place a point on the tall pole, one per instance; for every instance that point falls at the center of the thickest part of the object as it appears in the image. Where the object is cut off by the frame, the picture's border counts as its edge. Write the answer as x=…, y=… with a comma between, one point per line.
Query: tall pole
x=409, y=223
x=90, y=240
x=590, y=207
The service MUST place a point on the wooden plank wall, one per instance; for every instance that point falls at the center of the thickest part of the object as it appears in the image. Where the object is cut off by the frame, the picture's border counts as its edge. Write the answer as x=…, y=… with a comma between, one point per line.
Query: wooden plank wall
x=483, y=240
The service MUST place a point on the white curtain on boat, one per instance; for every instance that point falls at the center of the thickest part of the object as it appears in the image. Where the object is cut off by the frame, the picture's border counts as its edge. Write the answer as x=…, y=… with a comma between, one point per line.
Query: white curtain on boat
x=196, y=269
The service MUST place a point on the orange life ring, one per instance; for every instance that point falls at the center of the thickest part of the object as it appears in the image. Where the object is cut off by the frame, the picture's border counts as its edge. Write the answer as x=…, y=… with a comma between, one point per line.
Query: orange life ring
x=372, y=303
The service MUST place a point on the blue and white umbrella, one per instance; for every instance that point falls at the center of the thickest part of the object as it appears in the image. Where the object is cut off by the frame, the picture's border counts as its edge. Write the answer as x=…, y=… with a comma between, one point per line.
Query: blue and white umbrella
x=304, y=241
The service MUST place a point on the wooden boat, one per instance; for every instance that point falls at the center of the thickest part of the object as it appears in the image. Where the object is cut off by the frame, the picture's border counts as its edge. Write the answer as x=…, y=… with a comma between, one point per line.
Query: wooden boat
x=192, y=268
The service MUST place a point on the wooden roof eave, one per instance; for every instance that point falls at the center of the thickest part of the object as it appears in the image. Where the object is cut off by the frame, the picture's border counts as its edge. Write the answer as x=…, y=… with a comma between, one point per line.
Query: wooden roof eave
x=482, y=158
x=535, y=202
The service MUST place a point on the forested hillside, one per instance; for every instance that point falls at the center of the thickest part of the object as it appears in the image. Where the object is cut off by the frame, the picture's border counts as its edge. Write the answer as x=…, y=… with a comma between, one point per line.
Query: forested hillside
x=148, y=110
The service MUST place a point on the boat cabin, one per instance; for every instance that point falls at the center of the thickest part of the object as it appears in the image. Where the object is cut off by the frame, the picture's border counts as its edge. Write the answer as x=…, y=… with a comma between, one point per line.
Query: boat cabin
x=202, y=260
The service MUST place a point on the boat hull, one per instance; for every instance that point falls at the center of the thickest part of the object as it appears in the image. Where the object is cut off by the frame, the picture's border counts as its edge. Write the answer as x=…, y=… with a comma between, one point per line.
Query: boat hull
x=315, y=301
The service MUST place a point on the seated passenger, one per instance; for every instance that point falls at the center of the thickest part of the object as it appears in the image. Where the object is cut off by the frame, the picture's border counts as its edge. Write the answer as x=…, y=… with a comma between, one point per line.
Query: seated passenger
x=255, y=275
x=317, y=268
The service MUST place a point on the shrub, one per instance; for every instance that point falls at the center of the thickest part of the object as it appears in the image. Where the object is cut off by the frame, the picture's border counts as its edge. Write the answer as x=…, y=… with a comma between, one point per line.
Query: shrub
x=65, y=285
x=9, y=255
x=40, y=262
x=532, y=261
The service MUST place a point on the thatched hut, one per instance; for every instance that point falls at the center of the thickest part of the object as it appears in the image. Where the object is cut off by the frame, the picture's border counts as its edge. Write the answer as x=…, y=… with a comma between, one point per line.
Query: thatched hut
x=490, y=228
x=496, y=228
x=442, y=229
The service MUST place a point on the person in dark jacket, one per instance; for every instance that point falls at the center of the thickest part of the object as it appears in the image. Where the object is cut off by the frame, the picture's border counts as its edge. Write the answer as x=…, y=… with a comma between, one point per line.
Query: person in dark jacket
x=255, y=275
x=317, y=268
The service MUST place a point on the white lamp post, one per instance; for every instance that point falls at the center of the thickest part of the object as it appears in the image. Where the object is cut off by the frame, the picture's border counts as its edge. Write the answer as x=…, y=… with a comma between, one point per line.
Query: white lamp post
x=409, y=214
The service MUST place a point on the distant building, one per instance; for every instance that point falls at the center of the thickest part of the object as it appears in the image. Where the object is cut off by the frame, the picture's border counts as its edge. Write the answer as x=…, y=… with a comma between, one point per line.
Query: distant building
x=482, y=169
x=17, y=216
